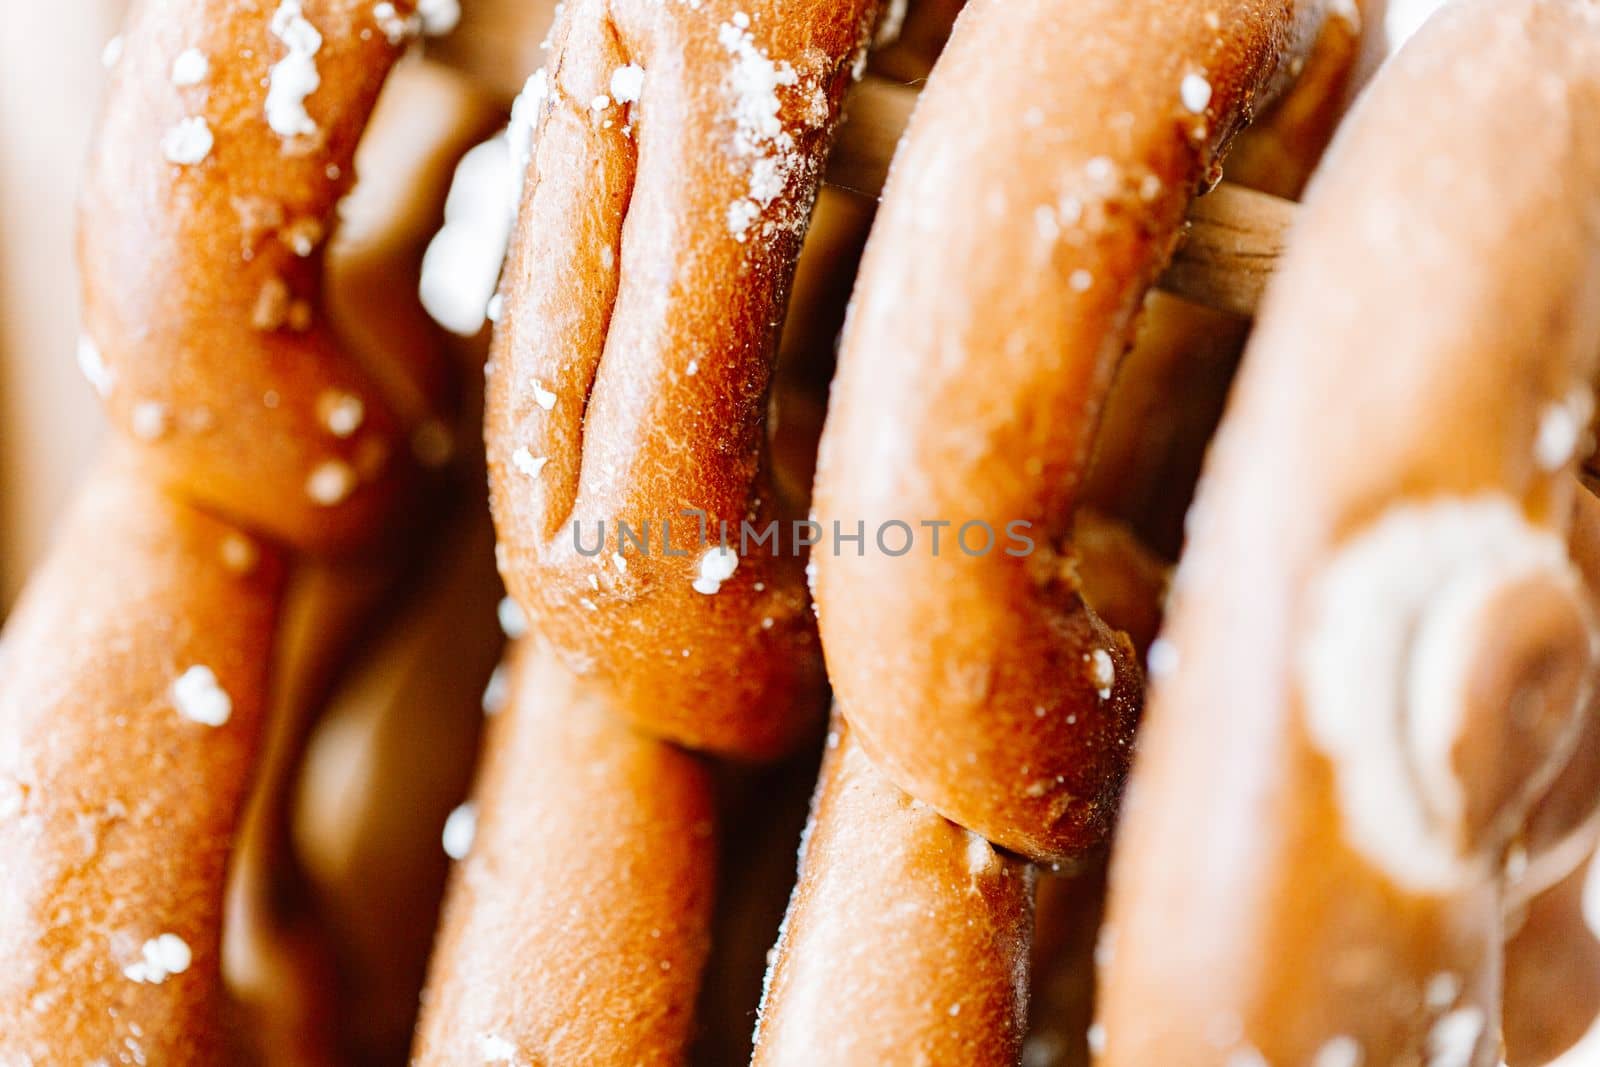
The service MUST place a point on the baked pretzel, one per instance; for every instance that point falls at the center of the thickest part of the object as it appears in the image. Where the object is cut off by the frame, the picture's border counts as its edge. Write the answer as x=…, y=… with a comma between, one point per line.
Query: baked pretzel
x=726, y=664
x=518, y=976
x=1011, y=709
x=140, y=666
x=1419, y=383
x=679, y=148
x=907, y=453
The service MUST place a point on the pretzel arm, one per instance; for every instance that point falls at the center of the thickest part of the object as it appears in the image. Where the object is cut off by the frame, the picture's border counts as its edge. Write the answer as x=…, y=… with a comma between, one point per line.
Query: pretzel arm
x=205, y=217
x=1330, y=780
x=938, y=968
x=133, y=679
x=988, y=347
x=644, y=292
x=565, y=946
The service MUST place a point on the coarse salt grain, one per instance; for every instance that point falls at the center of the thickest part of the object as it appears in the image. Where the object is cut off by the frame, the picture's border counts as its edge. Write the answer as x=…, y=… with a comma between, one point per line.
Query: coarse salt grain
x=200, y=698
x=330, y=482
x=190, y=68
x=496, y=1049
x=188, y=141
x=294, y=77
x=542, y=396
x=1102, y=673
x=716, y=566
x=438, y=17
x=1341, y=1051
x=93, y=366
x=627, y=82
x=459, y=830
x=513, y=622
x=160, y=958
x=397, y=29
x=342, y=413
x=496, y=690
x=528, y=463
x=1195, y=92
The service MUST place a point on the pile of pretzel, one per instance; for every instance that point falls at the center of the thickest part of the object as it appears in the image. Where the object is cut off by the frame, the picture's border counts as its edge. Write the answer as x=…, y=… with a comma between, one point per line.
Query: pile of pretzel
x=1206, y=586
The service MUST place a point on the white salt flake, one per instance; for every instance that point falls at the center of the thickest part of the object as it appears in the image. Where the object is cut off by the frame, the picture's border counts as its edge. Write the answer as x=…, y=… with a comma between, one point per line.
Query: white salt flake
x=513, y=622
x=716, y=566
x=1561, y=429
x=190, y=68
x=528, y=463
x=627, y=83
x=93, y=366
x=330, y=482
x=497, y=690
x=438, y=17
x=1102, y=672
x=1454, y=1037
x=397, y=28
x=542, y=396
x=160, y=958
x=198, y=697
x=111, y=54
x=496, y=1049
x=459, y=830
x=294, y=77
x=1195, y=92
x=342, y=413
x=187, y=142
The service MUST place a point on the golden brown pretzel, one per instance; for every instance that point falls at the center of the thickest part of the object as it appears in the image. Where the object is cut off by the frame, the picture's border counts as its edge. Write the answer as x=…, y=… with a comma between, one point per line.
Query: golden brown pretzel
x=153, y=642
x=1328, y=783
x=921, y=924
x=120, y=783
x=644, y=292
x=565, y=947
x=972, y=375
x=227, y=140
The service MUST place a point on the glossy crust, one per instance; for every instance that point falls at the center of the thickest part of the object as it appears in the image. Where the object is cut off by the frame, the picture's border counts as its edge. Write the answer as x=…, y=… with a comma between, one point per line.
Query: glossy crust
x=220, y=361
x=907, y=937
x=973, y=372
x=145, y=839
x=563, y=946
x=1452, y=311
x=643, y=296
x=117, y=812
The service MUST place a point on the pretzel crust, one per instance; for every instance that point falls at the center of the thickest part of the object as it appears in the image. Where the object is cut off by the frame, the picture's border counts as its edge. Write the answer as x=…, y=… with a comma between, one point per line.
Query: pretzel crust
x=569, y=946
x=945, y=974
x=972, y=376
x=202, y=277
x=118, y=810
x=644, y=292
x=1431, y=336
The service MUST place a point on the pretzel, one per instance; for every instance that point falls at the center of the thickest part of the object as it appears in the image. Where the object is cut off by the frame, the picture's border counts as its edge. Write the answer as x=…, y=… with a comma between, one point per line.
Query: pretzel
x=1419, y=381
x=139, y=668
x=645, y=944
x=574, y=947
x=662, y=214
x=298, y=436
x=946, y=974
x=1011, y=709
